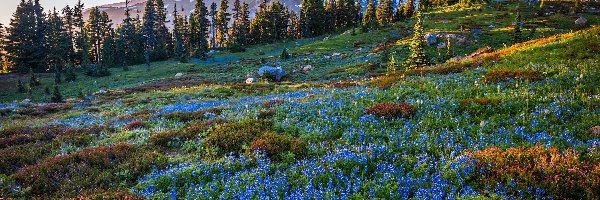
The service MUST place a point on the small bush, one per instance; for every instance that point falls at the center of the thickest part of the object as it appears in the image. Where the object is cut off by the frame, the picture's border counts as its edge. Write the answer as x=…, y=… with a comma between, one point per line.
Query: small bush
x=135, y=125
x=44, y=110
x=191, y=116
x=386, y=82
x=343, y=84
x=232, y=137
x=203, y=126
x=23, y=135
x=465, y=103
x=391, y=110
x=110, y=194
x=273, y=103
x=504, y=75
x=272, y=143
x=299, y=147
x=561, y=174
x=266, y=114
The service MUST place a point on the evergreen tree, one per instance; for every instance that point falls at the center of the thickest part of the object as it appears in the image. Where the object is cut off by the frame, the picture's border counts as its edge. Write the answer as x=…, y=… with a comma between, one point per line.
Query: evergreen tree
x=517, y=33
x=331, y=14
x=399, y=14
x=180, y=49
x=199, y=30
x=149, y=32
x=40, y=53
x=70, y=75
x=311, y=18
x=109, y=51
x=81, y=43
x=369, y=19
x=20, y=86
x=294, y=26
x=96, y=30
x=59, y=44
x=234, y=30
x=417, y=58
x=385, y=12
x=56, y=96
x=33, y=80
x=284, y=54
x=127, y=39
x=222, y=23
x=392, y=65
x=213, y=17
x=20, y=40
x=409, y=8
x=161, y=51
x=57, y=78
x=69, y=25
x=449, y=53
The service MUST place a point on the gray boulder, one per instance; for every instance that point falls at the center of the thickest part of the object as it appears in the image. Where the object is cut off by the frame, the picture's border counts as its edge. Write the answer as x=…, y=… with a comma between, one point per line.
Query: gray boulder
x=581, y=21
x=431, y=38
x=272, y=73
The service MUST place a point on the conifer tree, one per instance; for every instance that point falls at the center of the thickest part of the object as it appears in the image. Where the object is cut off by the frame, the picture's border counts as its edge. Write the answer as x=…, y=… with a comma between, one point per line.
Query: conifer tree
x=161, y=51
x=399, y=14
x=56, y=96
x=20, y=38
x=409, y=8
x=57, y=77
x=59, y=44
x=392, y=65
x=517, y=33
x=311, y=18
x=109, y=51
x=67, y=13
x=294, y=26
x=331, y=14
x=199, y=30
x=81, y=44
x=41, y=52
x=149, y=32
x=369, y=19
x=417, y=58
x=33, y=80
x=213, y=17
x=126, y=39
x=180, y=49
x=385, y=12
x=20, y=86
x=222, y=23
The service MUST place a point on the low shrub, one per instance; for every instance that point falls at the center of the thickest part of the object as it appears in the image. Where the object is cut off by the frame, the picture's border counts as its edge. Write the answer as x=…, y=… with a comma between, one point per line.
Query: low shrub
x=232, y=137
x=137, y=124
x=199, y=127
x=110, y=194
x=299, y=147
x=95, y=168
x=273, y=103
x=23, y=135
x=190, y=116
x=44, y=110
x=343, y=84
x=272, y=143
x=391, y=110
x=83, y=136
x=504, y=75
x=561, y=174
x=266, y=114
x=171, y=138
x=15, y=157
x=386, y=82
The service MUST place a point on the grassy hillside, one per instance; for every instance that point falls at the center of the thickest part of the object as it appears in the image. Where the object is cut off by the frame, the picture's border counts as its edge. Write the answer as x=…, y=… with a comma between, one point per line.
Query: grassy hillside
x=515, y=121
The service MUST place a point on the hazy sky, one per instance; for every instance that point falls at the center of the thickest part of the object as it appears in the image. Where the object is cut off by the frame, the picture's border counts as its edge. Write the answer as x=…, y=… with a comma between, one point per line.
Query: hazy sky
x=8, y=7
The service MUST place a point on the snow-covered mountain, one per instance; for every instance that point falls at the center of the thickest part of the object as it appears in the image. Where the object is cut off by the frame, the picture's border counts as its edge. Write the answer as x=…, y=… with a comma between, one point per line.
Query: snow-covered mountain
x=116, y=11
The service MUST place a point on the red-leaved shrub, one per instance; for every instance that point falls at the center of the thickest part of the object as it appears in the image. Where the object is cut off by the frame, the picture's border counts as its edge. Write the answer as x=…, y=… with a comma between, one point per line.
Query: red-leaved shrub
x=561, y=174
x=391, y=110
x=231, y=137
x=272, y=103
x=135, y=125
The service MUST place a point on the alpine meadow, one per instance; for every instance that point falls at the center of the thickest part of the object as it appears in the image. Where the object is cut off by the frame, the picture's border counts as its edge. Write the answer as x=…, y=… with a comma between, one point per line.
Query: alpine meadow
x=301, y=99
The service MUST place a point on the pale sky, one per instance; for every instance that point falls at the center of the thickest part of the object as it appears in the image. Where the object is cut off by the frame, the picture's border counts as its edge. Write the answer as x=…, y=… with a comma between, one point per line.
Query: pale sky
x=8, y=7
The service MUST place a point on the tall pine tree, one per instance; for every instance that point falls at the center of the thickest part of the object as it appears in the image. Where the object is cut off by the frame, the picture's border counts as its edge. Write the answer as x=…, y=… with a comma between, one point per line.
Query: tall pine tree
x=149, y=32
x=369, y=20
x=161, y=51
x=385, y=12
x=20, y=38
x=222, y=23
x=199, y=30
x=417, y=58
x=59, y=44
x=311, y=18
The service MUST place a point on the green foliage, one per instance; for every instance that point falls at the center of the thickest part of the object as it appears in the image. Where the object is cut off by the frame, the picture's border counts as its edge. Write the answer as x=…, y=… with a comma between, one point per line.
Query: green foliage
x=417, y=58
x=232, y=137
x=56, y=96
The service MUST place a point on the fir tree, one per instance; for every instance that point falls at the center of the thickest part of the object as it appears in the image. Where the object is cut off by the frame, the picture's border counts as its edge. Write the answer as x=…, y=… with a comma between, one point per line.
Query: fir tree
x=20, y=86
x=59, y=44
x=385, y=12
x=311, y=18
x=234, y=31
x=392, y=65
x=127, y=39
x=213, y=17
x=33, y=80
x=517, y=33
x=57, y=77
x=69, y=25
x=399, y=14
x=409, y=8
x=222, y=23
x=70, y=75
x=161, y=51
x=294, y=26
x=20, y=39
x=56, y=96
x=180, y=50
x=81, y=44
x=149, y=33
x=331, y=14
x=449, y=53
x=369, y=19
x=199, y=30
x=417, y=58
x=40, y=50
x=96, y=29
x=284, y=54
